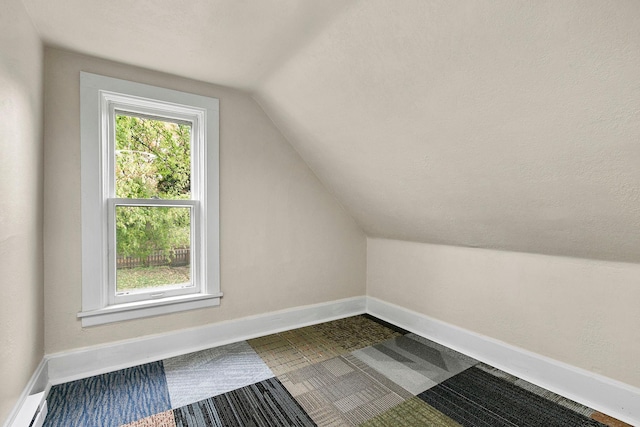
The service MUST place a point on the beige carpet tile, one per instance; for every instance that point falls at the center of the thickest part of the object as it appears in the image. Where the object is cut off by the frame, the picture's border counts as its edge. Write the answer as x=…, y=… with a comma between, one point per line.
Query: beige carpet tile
x=291, y=350
x=411, y=413
x=342, y=391
x=163, y=419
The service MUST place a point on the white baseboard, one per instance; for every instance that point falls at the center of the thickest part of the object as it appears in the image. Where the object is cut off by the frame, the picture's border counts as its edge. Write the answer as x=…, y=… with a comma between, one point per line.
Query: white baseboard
x=76, y=364
x=603, y=394
x=24, y=410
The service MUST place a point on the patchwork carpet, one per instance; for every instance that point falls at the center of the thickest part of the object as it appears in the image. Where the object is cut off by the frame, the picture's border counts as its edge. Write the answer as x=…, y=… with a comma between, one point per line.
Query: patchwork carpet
x=348, y=372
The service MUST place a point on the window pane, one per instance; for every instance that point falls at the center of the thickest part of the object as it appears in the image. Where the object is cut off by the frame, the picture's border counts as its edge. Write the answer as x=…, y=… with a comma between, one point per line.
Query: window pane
x=153, y=248
x=153, y=158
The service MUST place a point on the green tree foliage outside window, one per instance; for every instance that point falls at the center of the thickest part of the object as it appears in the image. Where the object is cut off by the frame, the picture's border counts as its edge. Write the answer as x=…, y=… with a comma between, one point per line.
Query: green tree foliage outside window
x=153, y=160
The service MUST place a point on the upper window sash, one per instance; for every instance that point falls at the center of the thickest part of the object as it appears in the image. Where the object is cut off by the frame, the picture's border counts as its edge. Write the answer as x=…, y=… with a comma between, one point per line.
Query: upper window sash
x=115, y=103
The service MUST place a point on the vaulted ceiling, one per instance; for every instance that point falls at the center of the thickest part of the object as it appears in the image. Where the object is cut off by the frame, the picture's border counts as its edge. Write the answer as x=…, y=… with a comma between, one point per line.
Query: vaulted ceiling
x=501, y=124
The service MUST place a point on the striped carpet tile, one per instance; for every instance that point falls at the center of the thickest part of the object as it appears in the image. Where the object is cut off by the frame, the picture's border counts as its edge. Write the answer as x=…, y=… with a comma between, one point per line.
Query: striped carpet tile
x=264, y=404
x=477, y=398
x=196, y=376
x=343, y=391
x=412, y=413
x=109, y=399
x=549, y=395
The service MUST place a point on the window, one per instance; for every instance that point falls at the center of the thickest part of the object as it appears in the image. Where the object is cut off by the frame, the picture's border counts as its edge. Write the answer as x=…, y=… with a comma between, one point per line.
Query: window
x=150, y=229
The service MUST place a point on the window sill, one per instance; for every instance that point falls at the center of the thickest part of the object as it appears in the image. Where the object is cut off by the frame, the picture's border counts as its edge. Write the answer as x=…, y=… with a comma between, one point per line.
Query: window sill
x=139, y=309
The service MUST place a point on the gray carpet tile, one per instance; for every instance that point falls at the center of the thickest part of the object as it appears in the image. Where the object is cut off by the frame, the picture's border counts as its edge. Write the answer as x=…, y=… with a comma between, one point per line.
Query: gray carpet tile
x=413, y=362
x=342, y=391
x=264, y=404
x=196, y=376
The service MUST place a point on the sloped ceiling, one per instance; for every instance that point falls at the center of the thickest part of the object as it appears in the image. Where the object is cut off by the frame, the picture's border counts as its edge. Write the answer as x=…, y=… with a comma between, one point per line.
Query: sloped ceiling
x=500, y=124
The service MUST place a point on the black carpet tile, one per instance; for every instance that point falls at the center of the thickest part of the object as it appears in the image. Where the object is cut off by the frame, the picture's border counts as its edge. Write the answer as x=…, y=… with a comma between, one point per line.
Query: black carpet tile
x=478, y=399
x=263, y=404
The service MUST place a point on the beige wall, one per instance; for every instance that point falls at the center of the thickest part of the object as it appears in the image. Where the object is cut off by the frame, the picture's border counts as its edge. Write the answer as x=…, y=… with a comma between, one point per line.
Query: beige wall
x=581, y=312
x=285, y=241
x=21, y=323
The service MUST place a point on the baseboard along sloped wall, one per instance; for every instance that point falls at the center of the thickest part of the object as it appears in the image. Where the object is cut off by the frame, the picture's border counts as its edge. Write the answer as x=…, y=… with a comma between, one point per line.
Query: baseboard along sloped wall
x=601, y=393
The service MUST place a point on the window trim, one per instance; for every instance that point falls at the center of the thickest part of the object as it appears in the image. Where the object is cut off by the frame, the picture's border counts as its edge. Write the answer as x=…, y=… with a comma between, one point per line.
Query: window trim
x=99, y=97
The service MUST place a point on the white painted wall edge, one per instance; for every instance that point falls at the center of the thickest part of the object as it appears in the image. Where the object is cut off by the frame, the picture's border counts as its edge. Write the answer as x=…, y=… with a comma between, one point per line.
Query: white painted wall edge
x=603, y=394
x=86, y=362
x=23, y=410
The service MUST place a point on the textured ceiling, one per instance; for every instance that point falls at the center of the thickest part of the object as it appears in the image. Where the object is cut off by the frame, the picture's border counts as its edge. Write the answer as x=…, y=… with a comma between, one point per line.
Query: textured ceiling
x=227, y=42
x=502, y=124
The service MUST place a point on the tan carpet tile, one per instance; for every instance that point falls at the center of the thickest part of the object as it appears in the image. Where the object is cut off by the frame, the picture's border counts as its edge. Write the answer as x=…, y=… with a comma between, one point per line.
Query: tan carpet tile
x=291, y=350
x=413, y=412
x=342, y=391
x=163, y=419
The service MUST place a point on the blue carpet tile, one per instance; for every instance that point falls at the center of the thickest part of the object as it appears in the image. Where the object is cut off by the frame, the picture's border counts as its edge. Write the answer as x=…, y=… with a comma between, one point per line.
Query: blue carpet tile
x=476, y=398
x=109, y=400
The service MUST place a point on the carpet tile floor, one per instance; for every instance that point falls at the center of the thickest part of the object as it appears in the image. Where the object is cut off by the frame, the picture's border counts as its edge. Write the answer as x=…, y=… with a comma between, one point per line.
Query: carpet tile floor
x=357, y=371
x=197, y=376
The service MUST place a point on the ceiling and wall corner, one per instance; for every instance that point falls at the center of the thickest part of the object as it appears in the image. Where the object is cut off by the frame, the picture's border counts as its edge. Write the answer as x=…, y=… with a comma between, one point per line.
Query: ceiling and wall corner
x=495, y=124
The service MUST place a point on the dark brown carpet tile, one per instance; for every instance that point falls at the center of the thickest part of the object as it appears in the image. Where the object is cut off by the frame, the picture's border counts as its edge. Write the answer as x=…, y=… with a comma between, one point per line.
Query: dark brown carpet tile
x=412, y=413
x=354, y=333
x=608, y=421
x=343, y=391
x=391, y=326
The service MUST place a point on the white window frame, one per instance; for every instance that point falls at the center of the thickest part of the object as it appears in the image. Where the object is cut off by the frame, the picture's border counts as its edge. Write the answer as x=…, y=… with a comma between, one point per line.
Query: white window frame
x=101, y=98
